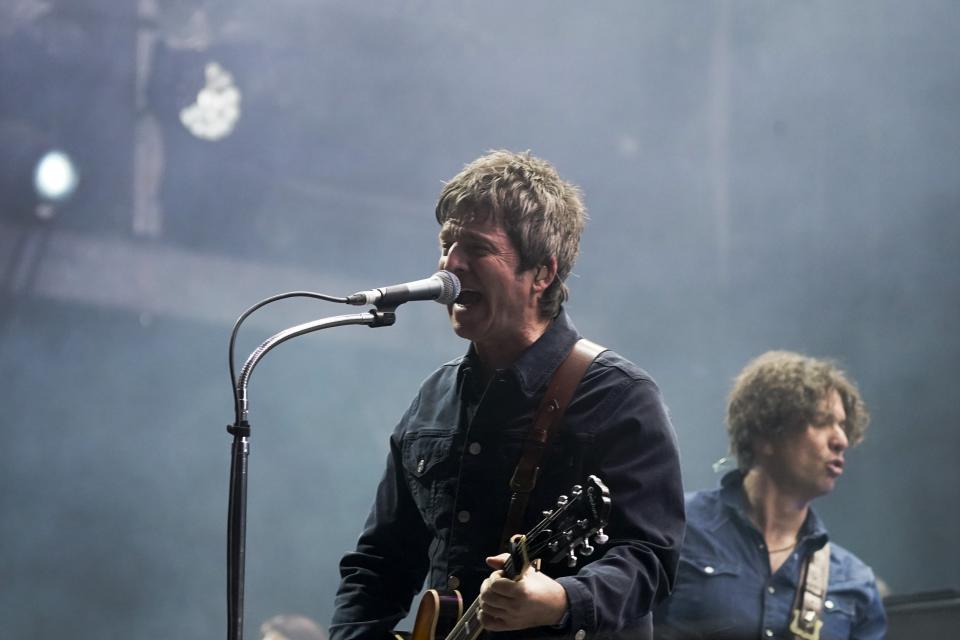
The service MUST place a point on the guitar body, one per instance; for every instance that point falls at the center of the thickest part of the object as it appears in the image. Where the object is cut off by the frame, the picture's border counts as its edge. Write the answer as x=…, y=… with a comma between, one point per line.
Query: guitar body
x=437, y=614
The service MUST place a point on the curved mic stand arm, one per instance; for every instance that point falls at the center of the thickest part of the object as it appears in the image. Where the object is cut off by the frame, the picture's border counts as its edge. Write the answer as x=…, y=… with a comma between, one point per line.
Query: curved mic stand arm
x=374, y=318
x=237, y=508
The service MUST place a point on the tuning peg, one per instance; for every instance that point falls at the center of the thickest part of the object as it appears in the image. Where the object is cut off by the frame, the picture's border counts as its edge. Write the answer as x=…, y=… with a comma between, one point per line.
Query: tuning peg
x=546, y=512
x=600, y=537
x=572, y=558
x=586, y=549
x=576, y=490
x=562, y=500
x=553, y=546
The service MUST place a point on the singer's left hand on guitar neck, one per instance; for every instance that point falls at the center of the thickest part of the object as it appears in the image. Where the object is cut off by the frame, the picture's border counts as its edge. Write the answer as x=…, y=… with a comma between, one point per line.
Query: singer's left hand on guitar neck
x=533, y=600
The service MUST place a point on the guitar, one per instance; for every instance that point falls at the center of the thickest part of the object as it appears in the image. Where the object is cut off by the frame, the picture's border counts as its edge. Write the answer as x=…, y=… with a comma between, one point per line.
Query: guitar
x=565, y=530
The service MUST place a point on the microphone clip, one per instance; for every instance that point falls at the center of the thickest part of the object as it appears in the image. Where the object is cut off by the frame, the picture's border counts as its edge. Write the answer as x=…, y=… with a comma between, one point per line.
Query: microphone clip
x=384, y=317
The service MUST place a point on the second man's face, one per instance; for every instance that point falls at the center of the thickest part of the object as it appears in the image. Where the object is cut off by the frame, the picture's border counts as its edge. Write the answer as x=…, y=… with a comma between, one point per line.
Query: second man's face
x=811, y=460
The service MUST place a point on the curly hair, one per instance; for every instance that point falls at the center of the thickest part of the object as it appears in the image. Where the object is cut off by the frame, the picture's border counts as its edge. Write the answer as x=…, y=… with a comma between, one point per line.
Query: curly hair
x=542, y=214
x=781, y=392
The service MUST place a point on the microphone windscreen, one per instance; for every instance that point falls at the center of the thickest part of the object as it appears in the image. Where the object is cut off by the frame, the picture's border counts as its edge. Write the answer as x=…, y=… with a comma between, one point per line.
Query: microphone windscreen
x=450, y=287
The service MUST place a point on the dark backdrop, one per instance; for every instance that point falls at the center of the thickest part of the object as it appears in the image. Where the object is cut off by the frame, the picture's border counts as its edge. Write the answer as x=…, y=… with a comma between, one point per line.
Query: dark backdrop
x=760, y=175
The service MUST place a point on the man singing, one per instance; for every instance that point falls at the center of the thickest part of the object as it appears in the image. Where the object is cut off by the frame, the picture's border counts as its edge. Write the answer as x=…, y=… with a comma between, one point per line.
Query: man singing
x=510, y=231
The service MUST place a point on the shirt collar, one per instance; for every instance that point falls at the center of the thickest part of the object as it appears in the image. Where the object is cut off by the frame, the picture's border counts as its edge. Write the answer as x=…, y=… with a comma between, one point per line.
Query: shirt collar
x=533, y=369
x=735, y=500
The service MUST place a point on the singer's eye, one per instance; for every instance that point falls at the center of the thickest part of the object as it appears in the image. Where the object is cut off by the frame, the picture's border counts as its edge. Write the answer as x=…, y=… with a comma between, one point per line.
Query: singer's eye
x=475, y=248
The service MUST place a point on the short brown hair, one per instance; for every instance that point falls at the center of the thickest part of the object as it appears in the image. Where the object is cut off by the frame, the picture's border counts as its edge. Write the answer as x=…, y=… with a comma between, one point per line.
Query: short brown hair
x=542, y=214
x=781, y=392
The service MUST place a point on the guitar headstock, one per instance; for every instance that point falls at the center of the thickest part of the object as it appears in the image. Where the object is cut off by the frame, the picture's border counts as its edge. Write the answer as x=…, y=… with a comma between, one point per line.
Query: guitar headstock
x=568, y=529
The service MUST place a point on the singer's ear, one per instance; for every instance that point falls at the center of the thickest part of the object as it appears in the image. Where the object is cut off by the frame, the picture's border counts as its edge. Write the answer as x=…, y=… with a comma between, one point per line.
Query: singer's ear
x=544, y=275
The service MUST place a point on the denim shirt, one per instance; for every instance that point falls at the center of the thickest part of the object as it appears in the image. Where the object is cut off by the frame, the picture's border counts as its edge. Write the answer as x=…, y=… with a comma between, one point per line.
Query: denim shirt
x=443, y=498
x=725, y=588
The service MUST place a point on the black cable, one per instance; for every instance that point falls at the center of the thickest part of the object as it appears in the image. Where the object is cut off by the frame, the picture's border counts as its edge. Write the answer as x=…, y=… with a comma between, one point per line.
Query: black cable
x=245, y=314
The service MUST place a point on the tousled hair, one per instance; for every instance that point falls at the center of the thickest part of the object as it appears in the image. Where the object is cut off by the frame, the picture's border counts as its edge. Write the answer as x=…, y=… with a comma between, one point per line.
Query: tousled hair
x=542, y=214
x=781, y=392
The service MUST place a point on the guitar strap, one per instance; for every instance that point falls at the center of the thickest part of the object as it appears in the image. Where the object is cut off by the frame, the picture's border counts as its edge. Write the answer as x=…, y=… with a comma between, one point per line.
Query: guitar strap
x=811, y=592
x=559, y=392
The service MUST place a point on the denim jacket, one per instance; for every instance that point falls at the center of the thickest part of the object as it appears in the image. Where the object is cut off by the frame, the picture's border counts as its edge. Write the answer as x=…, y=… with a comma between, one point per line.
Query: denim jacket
x=442, y=501
x=725, y=589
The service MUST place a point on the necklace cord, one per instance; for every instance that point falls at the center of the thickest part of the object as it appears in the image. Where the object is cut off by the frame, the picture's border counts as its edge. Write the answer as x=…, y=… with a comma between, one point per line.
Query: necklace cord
x=782, y=548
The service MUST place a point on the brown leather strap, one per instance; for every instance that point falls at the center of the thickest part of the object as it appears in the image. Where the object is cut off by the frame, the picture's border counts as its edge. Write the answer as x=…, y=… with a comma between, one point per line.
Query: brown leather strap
x=554, y=403
x=806, y=620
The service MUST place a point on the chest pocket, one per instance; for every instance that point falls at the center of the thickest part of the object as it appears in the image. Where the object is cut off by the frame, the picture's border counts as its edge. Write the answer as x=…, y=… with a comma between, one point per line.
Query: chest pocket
x=839, y=611
x=427, y=460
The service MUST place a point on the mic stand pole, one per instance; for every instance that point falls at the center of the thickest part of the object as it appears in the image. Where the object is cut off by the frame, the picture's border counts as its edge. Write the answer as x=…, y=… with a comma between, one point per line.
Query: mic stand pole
x=237, y=508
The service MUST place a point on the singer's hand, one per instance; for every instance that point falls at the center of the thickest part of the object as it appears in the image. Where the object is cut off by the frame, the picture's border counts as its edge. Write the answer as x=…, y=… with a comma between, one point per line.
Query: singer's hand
x=532, y=601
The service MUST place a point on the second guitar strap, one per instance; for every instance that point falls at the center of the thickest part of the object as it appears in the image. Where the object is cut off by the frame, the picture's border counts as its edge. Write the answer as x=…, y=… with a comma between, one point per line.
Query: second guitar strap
x=806, y=621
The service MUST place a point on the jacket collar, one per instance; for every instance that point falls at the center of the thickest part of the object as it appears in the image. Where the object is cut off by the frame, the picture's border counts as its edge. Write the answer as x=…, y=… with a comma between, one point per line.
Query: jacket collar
x=533, y=369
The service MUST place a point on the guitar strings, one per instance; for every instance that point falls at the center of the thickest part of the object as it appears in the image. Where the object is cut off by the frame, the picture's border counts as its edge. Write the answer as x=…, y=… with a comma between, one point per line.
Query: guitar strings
x=460, y=630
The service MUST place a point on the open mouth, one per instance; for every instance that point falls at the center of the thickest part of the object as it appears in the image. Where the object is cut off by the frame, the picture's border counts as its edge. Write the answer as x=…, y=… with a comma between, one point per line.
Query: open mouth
x=835, y=467
x=468, y=297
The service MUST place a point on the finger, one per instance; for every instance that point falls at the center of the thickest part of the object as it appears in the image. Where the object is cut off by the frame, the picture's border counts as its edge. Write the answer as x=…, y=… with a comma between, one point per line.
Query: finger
x=503, y=587
x=491, y=621
x=497, y=562
x=495, y=602
x=496, y=611
x=490, y=580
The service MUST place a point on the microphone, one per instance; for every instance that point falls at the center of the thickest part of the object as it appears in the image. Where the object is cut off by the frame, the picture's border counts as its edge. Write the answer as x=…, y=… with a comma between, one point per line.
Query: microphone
x=443, y=286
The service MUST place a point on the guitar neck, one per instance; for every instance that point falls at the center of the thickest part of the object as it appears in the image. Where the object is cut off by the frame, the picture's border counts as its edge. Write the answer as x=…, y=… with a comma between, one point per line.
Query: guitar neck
x=565, y=527
x=468, y=627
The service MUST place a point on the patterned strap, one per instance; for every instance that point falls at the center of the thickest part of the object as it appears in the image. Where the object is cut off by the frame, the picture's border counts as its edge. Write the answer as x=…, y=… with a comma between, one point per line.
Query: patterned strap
x=811, y=592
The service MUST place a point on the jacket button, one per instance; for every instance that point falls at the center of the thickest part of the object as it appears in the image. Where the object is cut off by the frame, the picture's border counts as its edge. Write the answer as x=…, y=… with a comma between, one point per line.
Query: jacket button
x=463, y=516
x=474, y=448
x=580, y=635
x=708, y=569
x=453, y=582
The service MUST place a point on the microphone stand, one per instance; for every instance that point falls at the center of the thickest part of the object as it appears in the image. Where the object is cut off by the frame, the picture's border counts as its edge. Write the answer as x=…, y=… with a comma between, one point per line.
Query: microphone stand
x=237, y=508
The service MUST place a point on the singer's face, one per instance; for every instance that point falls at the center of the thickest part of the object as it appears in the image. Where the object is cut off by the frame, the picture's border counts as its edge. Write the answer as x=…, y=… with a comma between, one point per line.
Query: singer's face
x=497, y=306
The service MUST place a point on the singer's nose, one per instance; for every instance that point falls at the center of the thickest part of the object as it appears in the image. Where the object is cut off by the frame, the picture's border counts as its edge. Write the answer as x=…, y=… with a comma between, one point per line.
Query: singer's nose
x=452, y=258
x=838, y=439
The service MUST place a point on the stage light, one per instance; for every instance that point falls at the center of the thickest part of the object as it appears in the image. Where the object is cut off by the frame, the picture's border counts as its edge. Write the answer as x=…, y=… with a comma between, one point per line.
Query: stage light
x=55, y=177
x=215, y=113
